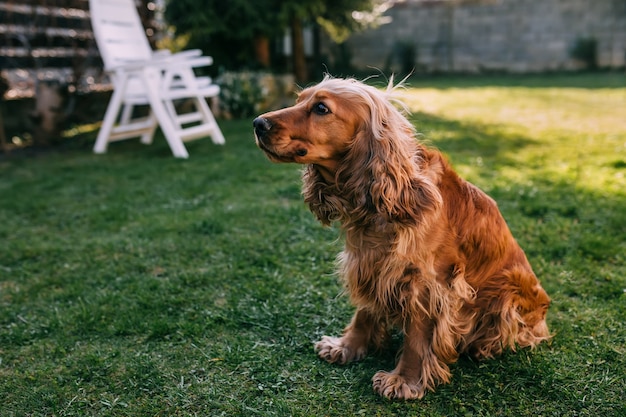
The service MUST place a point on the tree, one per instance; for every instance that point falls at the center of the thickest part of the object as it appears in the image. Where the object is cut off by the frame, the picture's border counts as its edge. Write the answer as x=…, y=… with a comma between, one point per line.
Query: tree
x=339, y=18
x=236, y=32
x=227, y=30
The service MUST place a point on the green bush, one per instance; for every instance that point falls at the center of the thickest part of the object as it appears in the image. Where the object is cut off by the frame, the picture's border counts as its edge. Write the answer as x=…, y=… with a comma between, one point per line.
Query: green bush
x=586, y=51
x=241, y=93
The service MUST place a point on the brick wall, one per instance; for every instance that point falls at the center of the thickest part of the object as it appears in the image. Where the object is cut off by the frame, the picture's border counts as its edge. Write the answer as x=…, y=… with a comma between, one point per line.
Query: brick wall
x=488, y=35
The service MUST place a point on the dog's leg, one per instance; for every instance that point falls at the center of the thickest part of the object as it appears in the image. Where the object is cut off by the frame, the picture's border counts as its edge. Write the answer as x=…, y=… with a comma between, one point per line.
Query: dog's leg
x=418, y=368
x=513, y=315
x=364, y=330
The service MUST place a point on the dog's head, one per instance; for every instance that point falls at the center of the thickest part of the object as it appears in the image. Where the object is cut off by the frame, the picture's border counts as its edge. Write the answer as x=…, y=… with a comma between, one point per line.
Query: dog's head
x=325, y=123
x=317, y=130
x=351, y=134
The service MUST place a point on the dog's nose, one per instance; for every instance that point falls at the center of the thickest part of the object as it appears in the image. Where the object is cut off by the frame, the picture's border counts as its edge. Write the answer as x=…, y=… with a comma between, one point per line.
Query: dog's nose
x=261, y=125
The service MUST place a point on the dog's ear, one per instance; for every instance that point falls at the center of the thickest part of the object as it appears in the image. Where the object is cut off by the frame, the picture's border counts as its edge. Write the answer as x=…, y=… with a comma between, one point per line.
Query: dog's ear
x=387, y=160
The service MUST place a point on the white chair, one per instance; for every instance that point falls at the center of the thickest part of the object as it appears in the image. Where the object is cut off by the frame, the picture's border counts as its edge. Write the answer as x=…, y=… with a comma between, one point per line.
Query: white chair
x=141, y=76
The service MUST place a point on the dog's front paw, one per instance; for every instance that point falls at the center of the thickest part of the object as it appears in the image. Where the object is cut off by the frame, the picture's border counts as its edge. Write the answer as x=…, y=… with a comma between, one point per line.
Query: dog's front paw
x=336, y=350
x=392, y=385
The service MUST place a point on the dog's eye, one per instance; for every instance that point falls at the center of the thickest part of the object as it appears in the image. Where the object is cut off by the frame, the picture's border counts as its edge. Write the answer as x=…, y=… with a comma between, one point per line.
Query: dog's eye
x=320, y=108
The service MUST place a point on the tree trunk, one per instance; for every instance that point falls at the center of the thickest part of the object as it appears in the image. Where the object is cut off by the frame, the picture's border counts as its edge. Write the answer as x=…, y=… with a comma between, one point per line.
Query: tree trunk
x=262, y=50
x=4, y=86
x=297, y=51
x=49, y=114
x=4, y=145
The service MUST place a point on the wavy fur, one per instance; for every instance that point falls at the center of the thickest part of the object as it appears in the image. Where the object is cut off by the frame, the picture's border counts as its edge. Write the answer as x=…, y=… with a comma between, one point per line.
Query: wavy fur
x=425, y=251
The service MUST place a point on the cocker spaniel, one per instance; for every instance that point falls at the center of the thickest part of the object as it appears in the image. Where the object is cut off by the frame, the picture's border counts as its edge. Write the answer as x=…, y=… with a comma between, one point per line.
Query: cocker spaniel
x=425, y=251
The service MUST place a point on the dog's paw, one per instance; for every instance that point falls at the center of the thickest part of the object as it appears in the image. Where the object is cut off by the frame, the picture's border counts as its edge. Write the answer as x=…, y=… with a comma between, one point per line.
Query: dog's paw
x=336, y=350
x=394, y=386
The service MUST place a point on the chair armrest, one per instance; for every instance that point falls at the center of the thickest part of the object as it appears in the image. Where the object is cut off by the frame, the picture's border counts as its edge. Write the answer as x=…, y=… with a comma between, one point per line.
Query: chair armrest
x=190, y=53
x=186, y=62
x=163, y=64
x=160, y=54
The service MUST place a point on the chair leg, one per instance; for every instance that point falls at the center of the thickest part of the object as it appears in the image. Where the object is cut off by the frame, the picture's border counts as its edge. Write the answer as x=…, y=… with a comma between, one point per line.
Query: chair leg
x=148, y=135
x=151, y=80
x=171, y=135
x=216, y=133
x=169, y=131
x=109, y=118
x=127, y=112
x=171, y=109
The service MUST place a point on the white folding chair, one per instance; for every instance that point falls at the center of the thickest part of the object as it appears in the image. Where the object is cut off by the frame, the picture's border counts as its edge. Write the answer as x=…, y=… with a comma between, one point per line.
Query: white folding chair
x=141, y=76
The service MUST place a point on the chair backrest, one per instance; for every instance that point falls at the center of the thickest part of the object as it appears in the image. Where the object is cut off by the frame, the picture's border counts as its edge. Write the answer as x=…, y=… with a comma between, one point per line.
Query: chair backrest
x=120, y=36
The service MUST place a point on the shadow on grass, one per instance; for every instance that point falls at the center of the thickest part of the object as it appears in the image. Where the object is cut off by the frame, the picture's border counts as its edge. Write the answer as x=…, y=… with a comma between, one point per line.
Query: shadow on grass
x=468, y=141
x=555, y=214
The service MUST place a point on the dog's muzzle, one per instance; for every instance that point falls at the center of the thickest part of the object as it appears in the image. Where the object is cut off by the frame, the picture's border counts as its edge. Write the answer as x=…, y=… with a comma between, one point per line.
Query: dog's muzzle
x=261, y=127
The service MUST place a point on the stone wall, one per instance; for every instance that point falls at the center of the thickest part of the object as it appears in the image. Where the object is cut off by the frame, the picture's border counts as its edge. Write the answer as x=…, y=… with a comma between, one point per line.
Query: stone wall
x=492, y=35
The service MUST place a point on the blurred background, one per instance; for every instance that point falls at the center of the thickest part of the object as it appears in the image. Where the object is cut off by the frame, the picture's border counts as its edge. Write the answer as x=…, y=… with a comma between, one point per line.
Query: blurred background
x=52, y=78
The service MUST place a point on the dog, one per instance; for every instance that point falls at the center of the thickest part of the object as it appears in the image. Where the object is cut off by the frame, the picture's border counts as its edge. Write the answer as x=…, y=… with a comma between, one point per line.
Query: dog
x=426, y=252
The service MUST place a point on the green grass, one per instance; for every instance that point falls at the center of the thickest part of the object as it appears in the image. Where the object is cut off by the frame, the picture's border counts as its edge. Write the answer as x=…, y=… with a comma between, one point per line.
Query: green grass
x=135, y=284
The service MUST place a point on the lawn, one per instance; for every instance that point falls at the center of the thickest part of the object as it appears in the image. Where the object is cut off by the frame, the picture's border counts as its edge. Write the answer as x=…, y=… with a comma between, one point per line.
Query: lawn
x=136, y=284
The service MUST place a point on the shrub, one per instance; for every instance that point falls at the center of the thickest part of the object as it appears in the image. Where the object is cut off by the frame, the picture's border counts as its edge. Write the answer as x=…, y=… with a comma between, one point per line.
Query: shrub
x=586, y=51
x=402, y=58
x=247, y=93
x=241, y=94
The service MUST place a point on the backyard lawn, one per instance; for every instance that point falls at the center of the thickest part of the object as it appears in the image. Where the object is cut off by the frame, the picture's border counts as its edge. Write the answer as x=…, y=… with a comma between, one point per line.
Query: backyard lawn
x=136, y=284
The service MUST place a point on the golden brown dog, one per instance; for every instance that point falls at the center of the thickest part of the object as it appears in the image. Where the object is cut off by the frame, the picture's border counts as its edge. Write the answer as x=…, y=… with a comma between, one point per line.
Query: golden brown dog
x=425, y=251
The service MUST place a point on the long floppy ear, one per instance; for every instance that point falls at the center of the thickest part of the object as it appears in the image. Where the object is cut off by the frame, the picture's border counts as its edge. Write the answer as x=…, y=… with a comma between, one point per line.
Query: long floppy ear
x=386, y=161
